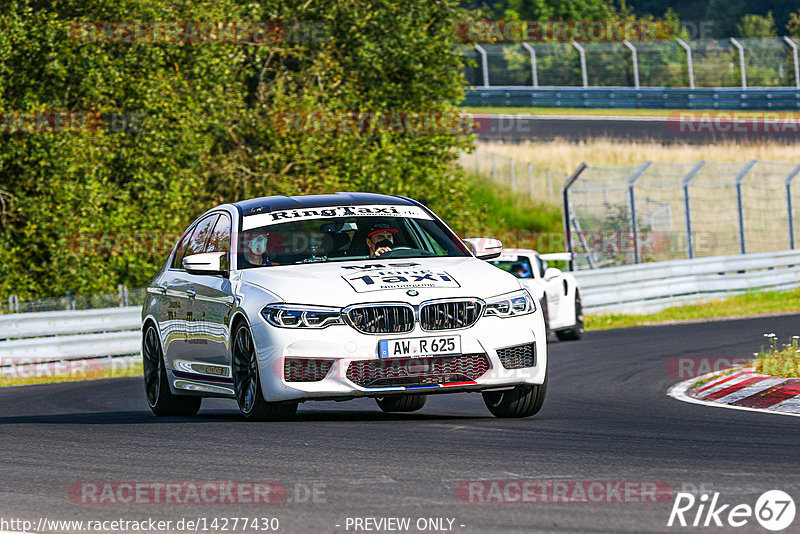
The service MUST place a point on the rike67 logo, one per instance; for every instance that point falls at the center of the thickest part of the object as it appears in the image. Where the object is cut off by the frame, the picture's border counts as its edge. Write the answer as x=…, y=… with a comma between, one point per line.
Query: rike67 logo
x=774, y=510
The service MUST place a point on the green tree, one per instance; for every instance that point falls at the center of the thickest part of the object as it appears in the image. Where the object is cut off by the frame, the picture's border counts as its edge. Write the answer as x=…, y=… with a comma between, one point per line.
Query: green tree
x=202, y=126
x=756, y=26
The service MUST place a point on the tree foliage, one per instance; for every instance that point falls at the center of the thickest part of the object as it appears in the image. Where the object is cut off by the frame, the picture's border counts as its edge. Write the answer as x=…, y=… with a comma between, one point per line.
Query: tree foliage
x=188, y=126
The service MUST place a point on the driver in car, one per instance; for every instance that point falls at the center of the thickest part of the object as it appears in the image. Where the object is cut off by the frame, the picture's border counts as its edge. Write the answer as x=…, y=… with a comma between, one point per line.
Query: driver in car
x=256, y=251
x=380, y=239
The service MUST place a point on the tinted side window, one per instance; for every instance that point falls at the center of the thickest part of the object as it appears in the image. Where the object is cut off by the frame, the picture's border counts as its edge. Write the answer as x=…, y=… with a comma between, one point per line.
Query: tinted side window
x=196, y=239
x=220, y=240
x=176, y=259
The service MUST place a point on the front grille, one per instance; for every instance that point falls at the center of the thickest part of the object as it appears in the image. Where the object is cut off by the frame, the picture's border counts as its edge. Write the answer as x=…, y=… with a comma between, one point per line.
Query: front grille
x=382, y=319
x=417, y=371
x=518, y=356
x=449, y=315
x=305, y=369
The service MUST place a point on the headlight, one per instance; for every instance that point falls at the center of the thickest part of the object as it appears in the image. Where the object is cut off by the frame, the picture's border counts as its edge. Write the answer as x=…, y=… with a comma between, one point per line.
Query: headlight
x=299, y=316
x=511, y=304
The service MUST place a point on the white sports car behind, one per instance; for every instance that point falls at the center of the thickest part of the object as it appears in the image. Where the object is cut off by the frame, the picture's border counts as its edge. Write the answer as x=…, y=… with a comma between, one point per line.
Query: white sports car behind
x=280, y=300
x=558, y=291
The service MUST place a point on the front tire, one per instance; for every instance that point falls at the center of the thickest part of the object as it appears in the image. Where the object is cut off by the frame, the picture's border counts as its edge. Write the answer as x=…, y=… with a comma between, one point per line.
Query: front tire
x=522, y=401
x=401, y=403
x=576, y=332
x=247, y=385
x=161, y=400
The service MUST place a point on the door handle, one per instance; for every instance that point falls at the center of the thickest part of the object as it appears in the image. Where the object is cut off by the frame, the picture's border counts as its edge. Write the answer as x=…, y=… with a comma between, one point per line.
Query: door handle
x=163, y=289
x=191, y=292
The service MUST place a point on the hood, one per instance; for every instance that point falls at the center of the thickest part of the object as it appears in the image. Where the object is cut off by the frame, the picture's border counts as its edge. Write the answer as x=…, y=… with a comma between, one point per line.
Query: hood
x=345, y=283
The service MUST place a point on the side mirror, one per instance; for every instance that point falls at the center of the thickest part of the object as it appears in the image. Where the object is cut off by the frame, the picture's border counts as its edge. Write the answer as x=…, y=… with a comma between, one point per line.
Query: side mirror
x=551, y=273
x=206, y=263
x=485, y=248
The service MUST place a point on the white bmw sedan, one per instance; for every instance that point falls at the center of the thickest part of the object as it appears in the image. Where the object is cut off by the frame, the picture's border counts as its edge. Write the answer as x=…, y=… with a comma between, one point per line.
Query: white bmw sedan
x=280, y=300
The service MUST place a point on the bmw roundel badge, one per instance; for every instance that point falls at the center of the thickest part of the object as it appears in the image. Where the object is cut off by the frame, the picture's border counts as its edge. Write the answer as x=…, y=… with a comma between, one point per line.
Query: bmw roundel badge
x=412, y=292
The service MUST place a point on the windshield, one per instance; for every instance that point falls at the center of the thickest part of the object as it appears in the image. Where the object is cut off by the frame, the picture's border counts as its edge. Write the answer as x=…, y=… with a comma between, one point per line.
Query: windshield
x=343, y=234
x=520, y=267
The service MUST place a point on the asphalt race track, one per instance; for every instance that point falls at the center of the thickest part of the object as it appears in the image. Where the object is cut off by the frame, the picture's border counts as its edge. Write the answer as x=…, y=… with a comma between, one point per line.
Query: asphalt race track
x=606, y=418
x=514, y=127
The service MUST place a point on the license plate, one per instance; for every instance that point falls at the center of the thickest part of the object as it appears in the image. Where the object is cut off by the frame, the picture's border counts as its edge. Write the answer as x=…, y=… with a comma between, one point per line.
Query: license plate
x=419, y=347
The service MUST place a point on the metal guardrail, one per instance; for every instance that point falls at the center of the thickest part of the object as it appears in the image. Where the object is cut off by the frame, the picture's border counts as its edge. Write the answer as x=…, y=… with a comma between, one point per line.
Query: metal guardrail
x=650, y=287
x=26, y=325
x=717, y=98
x=66, y=335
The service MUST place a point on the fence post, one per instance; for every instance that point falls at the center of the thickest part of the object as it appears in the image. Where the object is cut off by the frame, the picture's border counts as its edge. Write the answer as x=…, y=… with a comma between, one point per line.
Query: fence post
x=549, y=183
x=123, y=295
x=565, y=195
x=477, y=160
x=494, y=166
x=740, y=204
x=534, y=70
x=635, y=59
x=795, y=60
x=530, y=180
x=13, y=304
x=689, y=64
x=513, y=175
x=790, y=215
x=742, y=66
x=686, y=179
x=634, y=226
x=484, y=64
x=582, y=53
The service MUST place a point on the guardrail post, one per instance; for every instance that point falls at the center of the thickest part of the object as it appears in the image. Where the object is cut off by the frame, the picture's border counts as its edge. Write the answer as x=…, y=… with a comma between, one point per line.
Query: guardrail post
x=70, y=300
x=635, y=59
x=742, y=66
x=484, y=64
x=13, y=304
x=796, y=62
x=686, y=179
x=582, y=53
x=634, y=226
x=534, y=70
x=689, y=64
x=740, y=204
x=565, y=195
x=789, y=213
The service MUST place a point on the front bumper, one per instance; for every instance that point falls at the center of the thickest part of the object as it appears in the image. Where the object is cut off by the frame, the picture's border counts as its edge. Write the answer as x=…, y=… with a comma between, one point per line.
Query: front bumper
x=344, y=345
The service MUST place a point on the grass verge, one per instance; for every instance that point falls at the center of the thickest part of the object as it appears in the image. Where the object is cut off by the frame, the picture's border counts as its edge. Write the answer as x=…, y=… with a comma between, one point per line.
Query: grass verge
x=67, y=372
x=515, y=219
x=753, y=303
x=781, y=361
